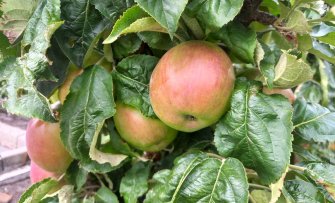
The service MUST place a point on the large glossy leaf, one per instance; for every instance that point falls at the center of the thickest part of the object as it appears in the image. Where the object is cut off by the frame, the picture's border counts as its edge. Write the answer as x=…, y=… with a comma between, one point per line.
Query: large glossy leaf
x=215, y=13
x=257, y=131
x=324, y=33
x=196, y=177
x=291, y=71
x=165, y=12
x=301, y=192
x=81, y=30
x=135, y=182
x=131, y=78
x=313, y=121
x=323, y=175
x=38, y=190
x=323, y=51
x=20, y=94
x=240, y=40
x=15, y=16
x=85, y=109
x=133, y=20
x=157, y=40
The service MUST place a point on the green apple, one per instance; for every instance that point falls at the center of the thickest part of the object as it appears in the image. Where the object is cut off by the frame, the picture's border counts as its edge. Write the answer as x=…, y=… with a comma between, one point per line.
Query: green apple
x=142, y=132
x=191, y=86
x=45, y=148
x=288, y=93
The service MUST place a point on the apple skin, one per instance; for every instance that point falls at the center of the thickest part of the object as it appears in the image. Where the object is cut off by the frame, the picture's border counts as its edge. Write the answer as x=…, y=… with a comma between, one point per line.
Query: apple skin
x=142, y=132
x=191, y=86
x=37, y=173
x=45, y=148
x=288, y=93
x=65, y=88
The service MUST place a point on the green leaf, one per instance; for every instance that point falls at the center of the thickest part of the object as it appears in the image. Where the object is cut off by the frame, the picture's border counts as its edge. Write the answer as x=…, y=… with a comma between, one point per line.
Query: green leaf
x=41, y=26
x=21, y=96
x=167, y=13
x=240, y=40
x=38, y=190
x=301, y=192
x=126, y=45
x=323, y=51
x=5, y=48
x=157, y=40
x=214, y=14
x=131, y=79
x=311, y=91
x=81, y=30
x=134, y=184
x=105, y=195
x=265, y=60
x=322, y=174
x=305, y=155
x=257, y=131
x=76, y=176
x=196, y=177
x=297, y=22
x=112, y=9
x=324, y=33
x=15, y=17
x=88, y=104
x=291, y=71
x=133, y=20
x=313, y=121
x=261, y=196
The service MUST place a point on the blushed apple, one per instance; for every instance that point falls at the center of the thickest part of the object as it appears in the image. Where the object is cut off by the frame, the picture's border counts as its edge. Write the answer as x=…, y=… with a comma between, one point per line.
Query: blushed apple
x=191, y=86
x=45, y=148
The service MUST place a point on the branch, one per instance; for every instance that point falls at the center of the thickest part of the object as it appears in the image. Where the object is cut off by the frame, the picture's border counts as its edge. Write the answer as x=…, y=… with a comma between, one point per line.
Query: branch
x=250, y=12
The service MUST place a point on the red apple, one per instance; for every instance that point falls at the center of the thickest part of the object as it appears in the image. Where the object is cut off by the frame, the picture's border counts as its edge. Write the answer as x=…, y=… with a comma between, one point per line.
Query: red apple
x=65, y=88
x=44, y=146
x=288, y=93
x=142, y=132
x=37, y=173
x=191, y=85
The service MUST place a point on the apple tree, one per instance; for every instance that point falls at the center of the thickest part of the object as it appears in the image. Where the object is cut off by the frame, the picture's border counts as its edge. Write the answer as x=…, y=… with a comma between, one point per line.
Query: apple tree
x=173, y=100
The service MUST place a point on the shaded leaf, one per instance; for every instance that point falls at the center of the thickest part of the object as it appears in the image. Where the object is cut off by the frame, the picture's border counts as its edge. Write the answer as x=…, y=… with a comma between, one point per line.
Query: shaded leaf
x=313, y=121
x=157, y=40
x=131, y=79
x=240, y=40
x=125, y=46
x=134, y=184
x=301, y=192
x=105, y=195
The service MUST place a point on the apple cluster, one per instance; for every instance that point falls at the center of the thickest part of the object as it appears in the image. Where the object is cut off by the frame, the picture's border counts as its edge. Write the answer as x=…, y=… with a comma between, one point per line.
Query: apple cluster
x=190, y=89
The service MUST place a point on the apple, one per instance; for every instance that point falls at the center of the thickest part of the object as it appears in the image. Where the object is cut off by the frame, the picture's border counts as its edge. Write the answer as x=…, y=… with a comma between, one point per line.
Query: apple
x=37, y=173
x=142, y=132
x=288, y=93
x=65, y=87
x=191, y=86
x=45, y=148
